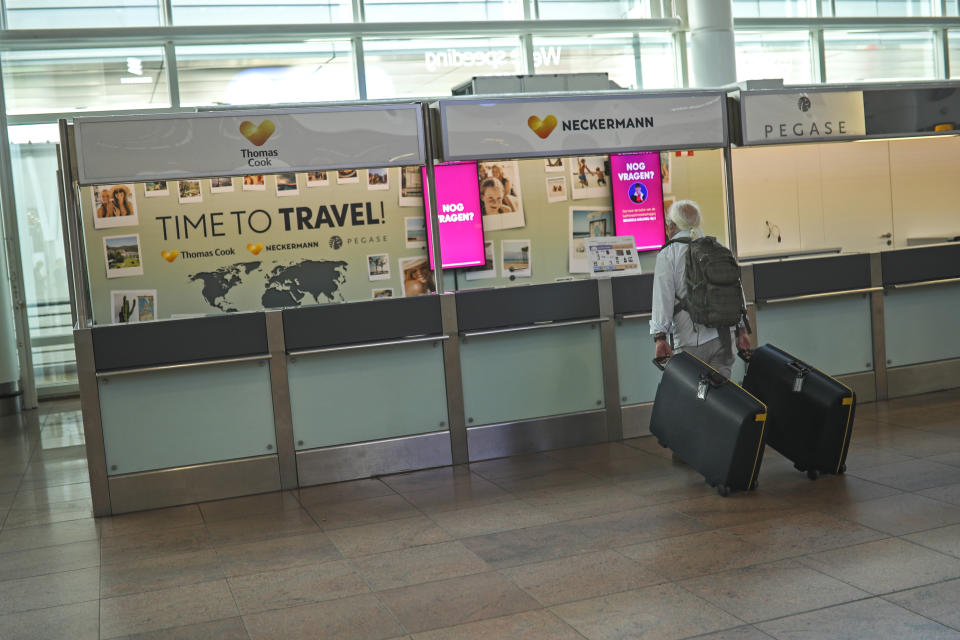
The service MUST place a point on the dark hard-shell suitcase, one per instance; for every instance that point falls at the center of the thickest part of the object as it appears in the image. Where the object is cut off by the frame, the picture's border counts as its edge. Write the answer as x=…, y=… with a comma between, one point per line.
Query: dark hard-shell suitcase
x=810, y=414
x=711, y=423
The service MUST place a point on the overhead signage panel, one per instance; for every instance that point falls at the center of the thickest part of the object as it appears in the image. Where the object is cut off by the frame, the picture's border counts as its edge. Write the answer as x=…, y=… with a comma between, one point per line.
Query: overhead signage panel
x=137, y=148
x=518, y=128
x=778, y=117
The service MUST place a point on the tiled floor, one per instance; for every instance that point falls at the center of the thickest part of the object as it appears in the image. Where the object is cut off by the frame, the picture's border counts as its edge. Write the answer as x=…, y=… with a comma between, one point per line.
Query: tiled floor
x=603, y=542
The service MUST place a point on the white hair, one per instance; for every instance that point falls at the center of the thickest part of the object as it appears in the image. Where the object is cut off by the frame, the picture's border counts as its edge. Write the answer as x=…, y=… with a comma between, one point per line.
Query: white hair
x=685, y=214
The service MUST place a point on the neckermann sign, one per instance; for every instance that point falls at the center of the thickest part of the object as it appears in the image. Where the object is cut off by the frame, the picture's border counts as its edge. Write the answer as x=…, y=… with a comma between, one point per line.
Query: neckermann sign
x=229, y=143
x=777, y=117
x=537, y=127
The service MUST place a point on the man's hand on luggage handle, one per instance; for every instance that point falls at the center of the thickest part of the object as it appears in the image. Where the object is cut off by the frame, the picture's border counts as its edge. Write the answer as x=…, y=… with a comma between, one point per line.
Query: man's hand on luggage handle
x=743, y=340
x=663, y=349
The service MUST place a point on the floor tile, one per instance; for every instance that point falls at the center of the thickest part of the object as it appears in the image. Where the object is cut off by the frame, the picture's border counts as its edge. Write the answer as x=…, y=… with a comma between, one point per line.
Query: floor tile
x=530, y=625
x=132, y=524
x=900, y=514
x=248, y=506
x=524, y=466
x=461, y=495
x=952, y=458
x=875, y=619
x=339, y=515
x=949, y=493
x=491, y=518
x=664, y=612
x=37, y=562
x=739, y=633
x=699, y=554
x=429, y=479
x=344, y=492
x=936, y=601
x=446, y=603
x=419, y=564
x=276, y=553
x=50, y=590
x=159, y=572
x=52, y=495
x=767, y=591
x=304, y=584
x=357, y=618
x=885, y=565
x=565, y=477
x=387, y=536
x=945, y=540
x=48, y=535
x=49, y=513
x=177, y=607
x=533, y=544
x=738, y=508
x=804, y=533
x=153, y=543
x=581, y=577
x=75, y=621
x=828, y=489
x=261, y=527
x=595, y=453
x=226, y=629
x=565, y=503
x=635, y=526
x=682, y=485
x=911, y=476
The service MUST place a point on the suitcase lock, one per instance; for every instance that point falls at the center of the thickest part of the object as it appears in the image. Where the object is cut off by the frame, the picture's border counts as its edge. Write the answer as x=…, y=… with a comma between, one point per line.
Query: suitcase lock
x=706, y=381
x=799, y=375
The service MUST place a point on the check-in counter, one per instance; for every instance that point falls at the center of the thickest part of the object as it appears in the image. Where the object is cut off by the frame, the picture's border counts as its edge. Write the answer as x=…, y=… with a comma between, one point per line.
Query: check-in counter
x=921, y=305
x=532, y=369
x=367, y=389
x=181, y=405
x=820, y=310
x=637, y=377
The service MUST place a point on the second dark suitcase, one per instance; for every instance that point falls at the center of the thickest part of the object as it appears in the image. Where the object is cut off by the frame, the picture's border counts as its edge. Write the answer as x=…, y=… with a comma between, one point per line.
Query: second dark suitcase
x=710, y=423
x=810, y=414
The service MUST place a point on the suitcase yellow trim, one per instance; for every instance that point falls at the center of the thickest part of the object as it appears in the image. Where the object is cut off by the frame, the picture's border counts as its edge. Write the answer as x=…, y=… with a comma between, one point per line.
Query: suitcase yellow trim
x=846, y=402
x=761, y=417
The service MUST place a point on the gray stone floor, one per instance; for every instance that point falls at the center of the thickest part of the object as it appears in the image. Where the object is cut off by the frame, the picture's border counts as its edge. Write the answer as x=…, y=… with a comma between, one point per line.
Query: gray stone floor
x=602, y=542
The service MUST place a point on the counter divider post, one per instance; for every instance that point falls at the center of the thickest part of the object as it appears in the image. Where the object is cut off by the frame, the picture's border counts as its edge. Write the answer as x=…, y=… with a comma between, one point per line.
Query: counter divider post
x=608, y=360
x=92, y=424
x=878, y=328
x=282, y=412
x=453, y=380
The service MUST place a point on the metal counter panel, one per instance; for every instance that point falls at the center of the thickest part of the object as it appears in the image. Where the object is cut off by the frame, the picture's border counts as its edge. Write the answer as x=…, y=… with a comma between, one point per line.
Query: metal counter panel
x=633, y=294
x=919, y=265
x=128, y=346
x=166, y=419
x=637, y=374
x=357, y=322
x=514, y=306
x=343, y=397
x=921, y=324
x=832, y=334
x=531, y=374
x=812, y=275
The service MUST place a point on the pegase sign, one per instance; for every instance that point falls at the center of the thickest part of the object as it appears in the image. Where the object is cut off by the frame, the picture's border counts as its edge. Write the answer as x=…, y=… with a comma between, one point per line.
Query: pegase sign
x=777, y=117
x=137, y=148
x=518, y=128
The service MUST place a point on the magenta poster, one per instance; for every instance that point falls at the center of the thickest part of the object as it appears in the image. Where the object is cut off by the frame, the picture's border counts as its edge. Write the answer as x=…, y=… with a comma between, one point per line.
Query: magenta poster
x=638, y=198
x=459, y=220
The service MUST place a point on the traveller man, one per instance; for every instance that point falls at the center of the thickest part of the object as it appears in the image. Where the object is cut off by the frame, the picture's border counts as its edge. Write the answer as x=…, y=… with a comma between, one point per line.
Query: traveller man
x=670, y=301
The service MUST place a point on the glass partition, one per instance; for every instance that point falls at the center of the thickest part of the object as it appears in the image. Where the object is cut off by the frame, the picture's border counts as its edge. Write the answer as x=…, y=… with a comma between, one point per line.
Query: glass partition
x=441, y=10
x=72, y=14
x=776, y=54
x=610, y=53
x=179, y=248
x=85, y=79
x=867, y=56
x=316, y=71
x=954, y=40
x=204, y=12
x=538, y=212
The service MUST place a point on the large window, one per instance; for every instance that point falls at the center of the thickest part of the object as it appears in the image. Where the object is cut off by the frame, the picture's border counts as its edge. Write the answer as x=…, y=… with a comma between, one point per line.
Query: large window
x=441, y=10
x=600, y=9
x=613, y=54
x=867, y=56
x=774, y=8
x=203, y=12
x=72, y=14
x=954, y=40
x=266, y=73
x=774, y=54
x=407, y=68
x=85, y=79
x=878, y=8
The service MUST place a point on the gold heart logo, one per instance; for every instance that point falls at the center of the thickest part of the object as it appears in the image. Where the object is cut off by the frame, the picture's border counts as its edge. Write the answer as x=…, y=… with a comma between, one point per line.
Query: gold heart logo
x=255, y=249
x=257, y=134
x=170, y=256
x=544, y=127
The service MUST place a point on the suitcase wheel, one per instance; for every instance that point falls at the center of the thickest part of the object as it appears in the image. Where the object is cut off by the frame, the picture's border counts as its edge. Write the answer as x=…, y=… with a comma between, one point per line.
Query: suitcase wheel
x=813, y=474
x=843, y=468
x=754, y=485
x=723, y=490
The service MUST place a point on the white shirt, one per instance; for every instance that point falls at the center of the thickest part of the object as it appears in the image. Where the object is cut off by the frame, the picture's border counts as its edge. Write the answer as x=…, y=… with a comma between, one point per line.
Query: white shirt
x=668, y=287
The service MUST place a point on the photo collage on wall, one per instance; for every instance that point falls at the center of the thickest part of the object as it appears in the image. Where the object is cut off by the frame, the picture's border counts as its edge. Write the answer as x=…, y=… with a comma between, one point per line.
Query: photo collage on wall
x=128, y=233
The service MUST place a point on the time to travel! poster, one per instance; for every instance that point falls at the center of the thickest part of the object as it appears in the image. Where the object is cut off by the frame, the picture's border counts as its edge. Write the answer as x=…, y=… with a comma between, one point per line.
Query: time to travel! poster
x=167, y=249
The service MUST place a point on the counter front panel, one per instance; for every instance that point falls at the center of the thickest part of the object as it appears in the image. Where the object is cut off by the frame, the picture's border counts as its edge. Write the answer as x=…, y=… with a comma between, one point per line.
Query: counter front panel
x=633, y=294
x=773, y=280
x=920, y=265
x=921, y=324
x=523, y=305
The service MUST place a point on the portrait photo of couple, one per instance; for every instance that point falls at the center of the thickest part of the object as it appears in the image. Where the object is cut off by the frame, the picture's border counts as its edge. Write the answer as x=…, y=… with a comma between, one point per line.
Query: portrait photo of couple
x=114, y=205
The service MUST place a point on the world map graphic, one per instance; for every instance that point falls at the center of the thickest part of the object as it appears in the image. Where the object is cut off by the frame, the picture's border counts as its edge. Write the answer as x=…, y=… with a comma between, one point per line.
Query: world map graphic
x=282, y=285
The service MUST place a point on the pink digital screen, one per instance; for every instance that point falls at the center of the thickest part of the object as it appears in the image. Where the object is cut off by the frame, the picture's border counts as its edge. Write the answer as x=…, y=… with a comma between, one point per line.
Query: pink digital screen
x=638, y=198
x=459, y=219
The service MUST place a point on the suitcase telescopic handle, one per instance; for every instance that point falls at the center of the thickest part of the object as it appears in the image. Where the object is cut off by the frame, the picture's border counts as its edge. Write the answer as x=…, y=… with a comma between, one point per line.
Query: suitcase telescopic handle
x=745, y=354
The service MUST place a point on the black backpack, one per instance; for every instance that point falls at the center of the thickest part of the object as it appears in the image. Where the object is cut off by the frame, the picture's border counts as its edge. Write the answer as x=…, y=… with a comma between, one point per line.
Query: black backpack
x=714, y=293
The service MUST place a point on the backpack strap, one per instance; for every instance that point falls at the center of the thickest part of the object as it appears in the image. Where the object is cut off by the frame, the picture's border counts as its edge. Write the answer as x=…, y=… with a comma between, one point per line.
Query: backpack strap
x=685, y=240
